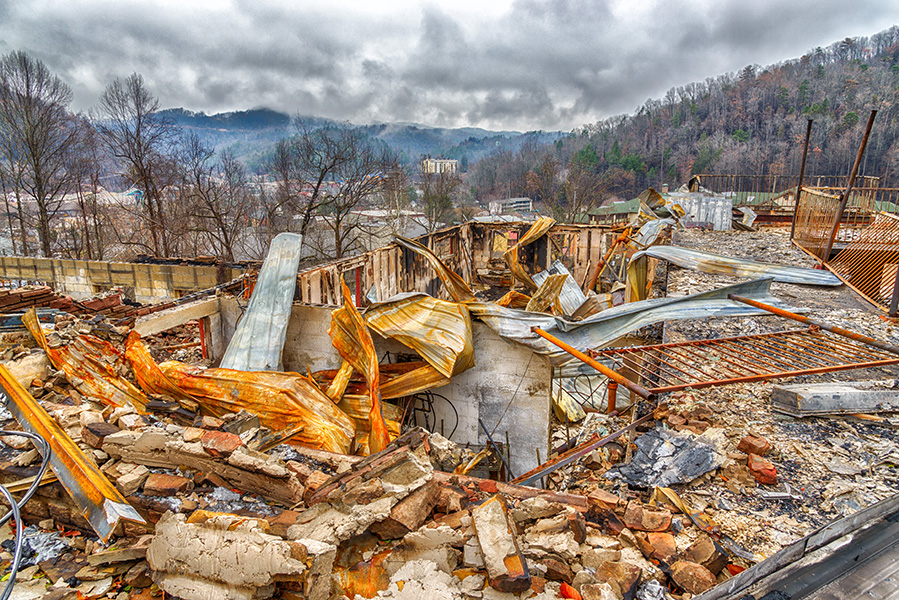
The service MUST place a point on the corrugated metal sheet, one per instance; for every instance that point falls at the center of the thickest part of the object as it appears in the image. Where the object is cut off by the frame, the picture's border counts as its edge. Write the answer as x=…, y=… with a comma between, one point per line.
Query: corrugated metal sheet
x=547, y=295
x=282, y=401
x=90, y=365
x=455, y=285
x=541, y=226
x=259, y=339
x=602, y=328
x=699, y=208
x=571, y=296
x=649, y=232
x=717, y=264
x=353, y=342
x=439, y=331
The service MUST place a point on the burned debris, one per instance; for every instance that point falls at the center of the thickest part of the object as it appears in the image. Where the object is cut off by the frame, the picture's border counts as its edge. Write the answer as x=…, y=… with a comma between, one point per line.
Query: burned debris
x=481, y=416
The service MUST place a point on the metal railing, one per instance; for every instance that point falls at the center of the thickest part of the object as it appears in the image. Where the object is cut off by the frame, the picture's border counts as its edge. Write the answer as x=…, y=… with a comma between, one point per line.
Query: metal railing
x=869, y=263
x=772, y=192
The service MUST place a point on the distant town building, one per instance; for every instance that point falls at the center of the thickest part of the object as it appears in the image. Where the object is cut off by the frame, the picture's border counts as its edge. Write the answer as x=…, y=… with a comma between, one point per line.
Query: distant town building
x=615, y=212
x=439, y=165
x=510, y=205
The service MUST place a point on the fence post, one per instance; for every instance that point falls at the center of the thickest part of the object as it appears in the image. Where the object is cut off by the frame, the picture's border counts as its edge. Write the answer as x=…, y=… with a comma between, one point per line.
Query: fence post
x=844, y=199
x=808, y=133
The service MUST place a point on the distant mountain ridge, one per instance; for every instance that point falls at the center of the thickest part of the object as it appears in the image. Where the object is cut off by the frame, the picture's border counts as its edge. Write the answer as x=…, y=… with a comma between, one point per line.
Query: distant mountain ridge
x=249, y=134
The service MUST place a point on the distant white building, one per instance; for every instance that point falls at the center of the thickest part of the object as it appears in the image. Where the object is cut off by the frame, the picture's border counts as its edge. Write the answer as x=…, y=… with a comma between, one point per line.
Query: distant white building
x=439, y=165
x=510, y=205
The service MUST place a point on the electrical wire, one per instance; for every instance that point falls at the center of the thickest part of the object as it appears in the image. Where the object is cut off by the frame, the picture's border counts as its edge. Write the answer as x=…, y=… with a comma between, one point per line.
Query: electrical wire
x=15, y=511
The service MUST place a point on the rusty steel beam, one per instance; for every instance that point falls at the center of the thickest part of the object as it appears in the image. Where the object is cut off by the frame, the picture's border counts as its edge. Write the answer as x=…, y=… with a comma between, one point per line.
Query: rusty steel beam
x=858, y=337
x=808, y=134
x=634, y=387
x=844, y=199
x=99, y=502
x=574, y=454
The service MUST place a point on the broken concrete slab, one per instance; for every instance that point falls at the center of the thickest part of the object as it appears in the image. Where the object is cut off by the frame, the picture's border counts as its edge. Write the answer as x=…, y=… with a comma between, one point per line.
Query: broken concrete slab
x=506, y=566
x=845, y=397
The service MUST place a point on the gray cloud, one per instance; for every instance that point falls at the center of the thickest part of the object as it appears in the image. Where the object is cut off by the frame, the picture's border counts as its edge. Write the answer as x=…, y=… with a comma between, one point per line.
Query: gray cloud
x=538, y=65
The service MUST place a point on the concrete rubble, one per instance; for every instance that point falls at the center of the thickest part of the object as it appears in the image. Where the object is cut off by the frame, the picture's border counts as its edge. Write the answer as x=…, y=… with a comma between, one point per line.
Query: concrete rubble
x=695, y=488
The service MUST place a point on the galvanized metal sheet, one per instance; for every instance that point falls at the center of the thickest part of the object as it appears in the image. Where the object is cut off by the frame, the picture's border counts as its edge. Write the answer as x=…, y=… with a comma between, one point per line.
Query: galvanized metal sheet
x=541, y=226
x=602, y=328
x=718, y=264
x=455, y=285
x=258, y=342
x=571, y=297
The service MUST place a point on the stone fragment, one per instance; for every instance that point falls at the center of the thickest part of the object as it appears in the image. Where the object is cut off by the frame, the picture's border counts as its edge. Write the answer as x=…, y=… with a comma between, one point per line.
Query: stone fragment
x=93, y=434
x=752, y=444
x=192, y=434
x=301, y=470
x=623, y=577
x=162, y=484
x=582, y=578
x=608, y=498
x=556, y=570
x=578, y=527
x=692, y=577
x=129, y=482
x=704, y=552
x=506, y=566
x=451, y=498
x=138, y=576
x=220, y=443
x=409, y=514
x=315, y=481
x=663, y=545
x=131, y=421
x=535, y=508
x=762, y=469
x=644, y=517
x=599, y=591
x=208, y=422
x=593, y=558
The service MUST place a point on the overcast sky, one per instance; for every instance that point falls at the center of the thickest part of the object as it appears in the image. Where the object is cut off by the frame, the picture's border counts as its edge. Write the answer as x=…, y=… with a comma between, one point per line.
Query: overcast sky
x=520, y=65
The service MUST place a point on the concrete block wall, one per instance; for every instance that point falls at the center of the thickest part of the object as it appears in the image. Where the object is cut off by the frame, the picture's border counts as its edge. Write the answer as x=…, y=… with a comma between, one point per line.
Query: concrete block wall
x=82, y=279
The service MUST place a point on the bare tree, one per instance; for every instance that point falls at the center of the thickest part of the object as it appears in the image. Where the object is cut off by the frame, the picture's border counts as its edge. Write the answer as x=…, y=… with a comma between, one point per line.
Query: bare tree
x=217, y=194
x=137, y=136
x=544, y=182
x=581, y=191
x=37, y=132
x=438, y=193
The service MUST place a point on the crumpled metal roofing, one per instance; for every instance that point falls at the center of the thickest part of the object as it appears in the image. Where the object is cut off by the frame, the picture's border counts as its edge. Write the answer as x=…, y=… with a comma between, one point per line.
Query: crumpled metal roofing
x=649, y=232
x=598, y=330
x=708, y=262
x=90, y=365
x=571, y=297
x=350, y=336
x=97, y=499
x=438, y=330
x=547, y=295
x=282, y=401
x=455, y=285
x=541, y=226
x=258, y=342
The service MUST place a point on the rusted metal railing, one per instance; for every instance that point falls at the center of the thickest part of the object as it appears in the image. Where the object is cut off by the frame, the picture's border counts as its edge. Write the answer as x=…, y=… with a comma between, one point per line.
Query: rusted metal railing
x=817, y=214
x=772, y=192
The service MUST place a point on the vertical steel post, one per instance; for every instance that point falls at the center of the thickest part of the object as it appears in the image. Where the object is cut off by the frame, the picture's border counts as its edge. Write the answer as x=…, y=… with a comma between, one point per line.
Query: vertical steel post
x=808, y=134
x=611, y=396
x=359, y=287
x=894, y=301
x=844, y=199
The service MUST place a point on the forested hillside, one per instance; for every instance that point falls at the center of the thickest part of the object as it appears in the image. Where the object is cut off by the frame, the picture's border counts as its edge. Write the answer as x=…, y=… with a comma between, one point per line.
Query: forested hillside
x=751, y=122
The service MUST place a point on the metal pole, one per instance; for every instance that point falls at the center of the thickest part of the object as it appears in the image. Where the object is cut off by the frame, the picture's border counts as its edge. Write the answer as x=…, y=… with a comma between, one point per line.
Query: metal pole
x=844, y=199
x=819, y=324
x=634, y=387
x=808, y=135
x=611, y=396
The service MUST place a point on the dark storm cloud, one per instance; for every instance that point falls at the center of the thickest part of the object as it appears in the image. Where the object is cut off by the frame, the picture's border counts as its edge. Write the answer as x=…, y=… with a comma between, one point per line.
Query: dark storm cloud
x=535, y=65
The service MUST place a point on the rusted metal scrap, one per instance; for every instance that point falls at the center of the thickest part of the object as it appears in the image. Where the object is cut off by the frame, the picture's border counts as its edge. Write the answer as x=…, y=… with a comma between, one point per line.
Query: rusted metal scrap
x=282, y=401
x=99, y=502
x=353, y=342
x=456, y=286
x=90, y=364
x=541, y=226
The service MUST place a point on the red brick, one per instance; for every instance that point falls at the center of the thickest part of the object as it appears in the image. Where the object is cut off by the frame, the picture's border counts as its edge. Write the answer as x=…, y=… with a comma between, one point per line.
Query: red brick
x=692, y=577
x=161, y=484
x=663, y=545
x=763, y=471
x=220, y=443
x=644, y=517
x=752, y=444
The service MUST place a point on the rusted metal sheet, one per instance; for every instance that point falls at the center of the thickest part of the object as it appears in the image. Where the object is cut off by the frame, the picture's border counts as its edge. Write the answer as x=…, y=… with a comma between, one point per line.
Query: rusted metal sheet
x=455, y=285
x=438, y=330
x=258, y=342
x=540, y=227
x=718, y=264
x=353, y=342
x=869, y=263
x=707, y=363
x=90, y=365
x=282, y=401
x=547, y=295
x=97, y=499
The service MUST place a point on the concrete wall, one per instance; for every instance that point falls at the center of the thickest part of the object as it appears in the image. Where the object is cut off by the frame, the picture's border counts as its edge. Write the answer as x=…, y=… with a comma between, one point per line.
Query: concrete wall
x=509, y=385
x=83, y=279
